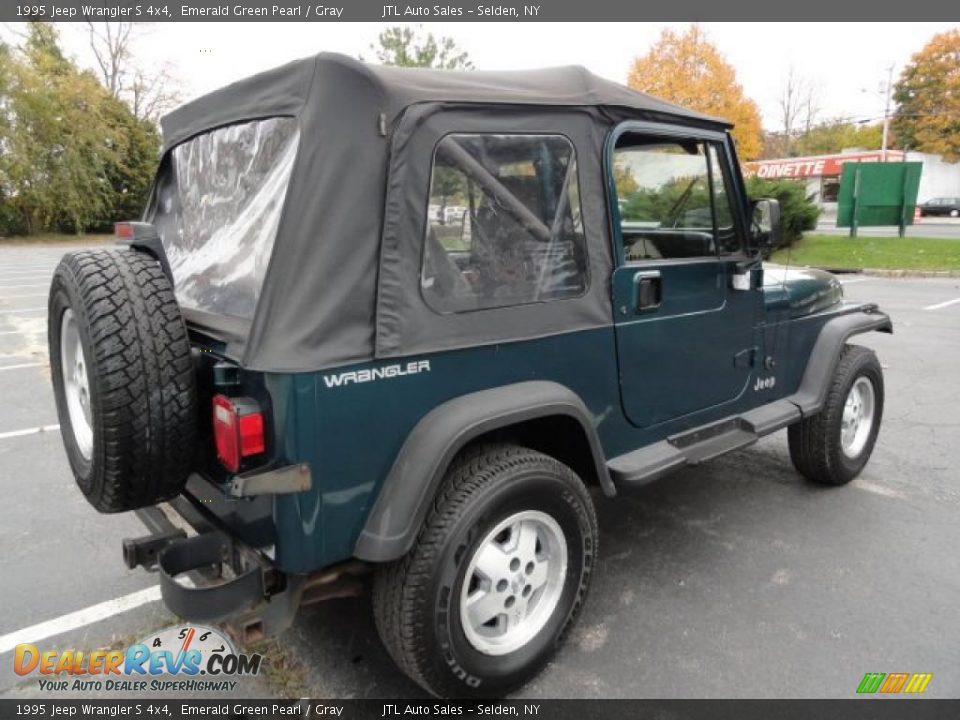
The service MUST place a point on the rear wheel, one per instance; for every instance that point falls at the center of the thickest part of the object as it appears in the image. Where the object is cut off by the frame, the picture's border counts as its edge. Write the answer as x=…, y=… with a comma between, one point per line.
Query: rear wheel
x=833, y=446
x=498, y=574
x=122, y=378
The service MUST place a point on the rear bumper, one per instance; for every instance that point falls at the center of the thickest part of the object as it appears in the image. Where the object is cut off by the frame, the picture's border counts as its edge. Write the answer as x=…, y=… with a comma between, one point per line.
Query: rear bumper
x=208, y=573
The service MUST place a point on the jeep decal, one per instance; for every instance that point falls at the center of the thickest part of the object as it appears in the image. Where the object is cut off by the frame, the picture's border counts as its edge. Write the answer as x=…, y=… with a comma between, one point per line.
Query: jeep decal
x=764, y=383
x=370, y=374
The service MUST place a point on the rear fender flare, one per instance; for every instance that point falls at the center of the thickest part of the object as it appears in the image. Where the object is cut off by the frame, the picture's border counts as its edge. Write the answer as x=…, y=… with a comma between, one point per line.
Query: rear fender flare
x=431, y=446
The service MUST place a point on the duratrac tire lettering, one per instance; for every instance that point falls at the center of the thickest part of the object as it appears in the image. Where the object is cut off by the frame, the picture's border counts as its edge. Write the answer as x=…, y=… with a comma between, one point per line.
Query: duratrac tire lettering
x=415, y=599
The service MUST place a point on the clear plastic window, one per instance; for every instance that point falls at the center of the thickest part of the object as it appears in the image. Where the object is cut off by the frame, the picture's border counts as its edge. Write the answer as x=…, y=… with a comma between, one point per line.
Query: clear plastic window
x=218, y=208
x=504, y=225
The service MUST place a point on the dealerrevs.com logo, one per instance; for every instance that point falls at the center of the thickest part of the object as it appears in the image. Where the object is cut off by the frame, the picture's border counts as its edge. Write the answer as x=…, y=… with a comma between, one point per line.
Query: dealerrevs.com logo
x=185, y=658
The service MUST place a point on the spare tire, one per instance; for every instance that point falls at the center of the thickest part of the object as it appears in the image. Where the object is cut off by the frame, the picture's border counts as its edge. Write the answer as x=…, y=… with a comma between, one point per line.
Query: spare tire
x=123, y=378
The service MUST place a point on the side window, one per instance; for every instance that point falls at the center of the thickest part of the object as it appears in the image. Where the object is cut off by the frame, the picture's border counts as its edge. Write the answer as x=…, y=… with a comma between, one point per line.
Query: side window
x=673, y=199
x=504, y=225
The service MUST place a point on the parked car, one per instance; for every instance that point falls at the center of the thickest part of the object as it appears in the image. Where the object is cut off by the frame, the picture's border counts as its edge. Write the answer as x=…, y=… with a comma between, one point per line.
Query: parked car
x=296, y=384
x=942, y=207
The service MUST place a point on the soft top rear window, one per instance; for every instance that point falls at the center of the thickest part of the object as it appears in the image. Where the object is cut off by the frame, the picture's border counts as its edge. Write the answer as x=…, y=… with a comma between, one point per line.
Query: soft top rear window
x=217, y=210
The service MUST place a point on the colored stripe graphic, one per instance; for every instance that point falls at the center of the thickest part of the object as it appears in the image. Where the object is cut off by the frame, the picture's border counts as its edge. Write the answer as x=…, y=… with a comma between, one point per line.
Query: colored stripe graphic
x=871, y=682
x=918, y=683
x=894, y=682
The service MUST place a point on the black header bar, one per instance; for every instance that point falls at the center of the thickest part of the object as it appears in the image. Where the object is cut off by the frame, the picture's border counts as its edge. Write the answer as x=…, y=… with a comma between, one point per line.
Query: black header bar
x=502, y=11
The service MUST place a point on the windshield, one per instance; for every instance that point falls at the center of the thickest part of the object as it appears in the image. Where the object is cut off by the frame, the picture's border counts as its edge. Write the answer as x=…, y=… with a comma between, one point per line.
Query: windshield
x=217, y=209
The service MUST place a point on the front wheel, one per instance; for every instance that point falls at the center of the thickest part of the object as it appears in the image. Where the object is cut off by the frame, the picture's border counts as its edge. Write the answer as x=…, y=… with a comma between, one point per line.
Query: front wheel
x=497, y=575
x=833, y=446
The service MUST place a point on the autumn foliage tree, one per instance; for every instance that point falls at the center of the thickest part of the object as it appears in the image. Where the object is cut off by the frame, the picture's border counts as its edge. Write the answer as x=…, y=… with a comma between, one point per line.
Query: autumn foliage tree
x=928, y=98
x=687, y=69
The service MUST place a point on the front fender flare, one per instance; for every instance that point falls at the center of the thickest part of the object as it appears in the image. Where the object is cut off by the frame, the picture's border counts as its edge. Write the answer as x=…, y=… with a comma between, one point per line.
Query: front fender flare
x=418, y=470
x=826, y=351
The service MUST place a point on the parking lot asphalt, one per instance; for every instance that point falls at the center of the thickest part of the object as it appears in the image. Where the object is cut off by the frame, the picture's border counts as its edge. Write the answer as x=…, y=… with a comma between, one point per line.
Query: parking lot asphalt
x=732, y=579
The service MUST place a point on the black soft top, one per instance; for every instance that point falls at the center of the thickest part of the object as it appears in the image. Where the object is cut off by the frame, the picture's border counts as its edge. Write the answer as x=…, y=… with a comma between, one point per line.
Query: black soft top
x=334, y=291
x=291, y=88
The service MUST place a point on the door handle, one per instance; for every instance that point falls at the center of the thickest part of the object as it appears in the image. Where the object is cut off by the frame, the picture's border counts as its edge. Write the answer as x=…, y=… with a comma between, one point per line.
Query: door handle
x=648, y=290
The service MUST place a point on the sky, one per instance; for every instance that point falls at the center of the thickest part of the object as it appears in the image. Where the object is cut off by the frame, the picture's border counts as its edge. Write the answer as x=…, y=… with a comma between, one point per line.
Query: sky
x=846, y=62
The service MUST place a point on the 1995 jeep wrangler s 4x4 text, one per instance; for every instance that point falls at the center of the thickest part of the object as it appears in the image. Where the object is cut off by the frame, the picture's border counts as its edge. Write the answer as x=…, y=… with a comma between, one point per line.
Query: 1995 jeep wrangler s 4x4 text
x=400, y=320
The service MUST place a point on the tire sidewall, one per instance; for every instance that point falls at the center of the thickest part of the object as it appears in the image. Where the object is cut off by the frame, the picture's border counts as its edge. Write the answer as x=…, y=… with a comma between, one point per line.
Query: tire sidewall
x=466, y=670
x=868, y=367
x=64, y=296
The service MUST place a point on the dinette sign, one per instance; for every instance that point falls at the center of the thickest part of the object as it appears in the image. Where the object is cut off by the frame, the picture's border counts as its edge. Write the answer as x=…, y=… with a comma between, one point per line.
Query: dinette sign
x=814, y=166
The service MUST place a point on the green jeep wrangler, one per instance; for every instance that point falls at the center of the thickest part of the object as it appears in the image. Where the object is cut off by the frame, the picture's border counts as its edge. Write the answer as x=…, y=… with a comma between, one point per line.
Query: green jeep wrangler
x=411, y=323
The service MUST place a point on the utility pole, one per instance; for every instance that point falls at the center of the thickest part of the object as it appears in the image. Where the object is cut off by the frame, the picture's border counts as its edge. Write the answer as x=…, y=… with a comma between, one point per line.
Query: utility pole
x=886, y=115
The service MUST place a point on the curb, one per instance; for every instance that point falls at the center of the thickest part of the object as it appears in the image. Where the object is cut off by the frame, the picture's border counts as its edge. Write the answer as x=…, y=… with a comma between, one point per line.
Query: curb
x=882, y=272
x=887, y=272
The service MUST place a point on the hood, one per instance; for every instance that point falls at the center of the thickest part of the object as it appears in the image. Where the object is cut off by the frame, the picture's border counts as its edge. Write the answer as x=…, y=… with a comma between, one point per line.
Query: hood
x=799, y=291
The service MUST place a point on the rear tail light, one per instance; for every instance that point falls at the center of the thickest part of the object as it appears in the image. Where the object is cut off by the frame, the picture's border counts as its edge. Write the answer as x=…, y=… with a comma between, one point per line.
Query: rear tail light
x=237, y=430
x=123, y=230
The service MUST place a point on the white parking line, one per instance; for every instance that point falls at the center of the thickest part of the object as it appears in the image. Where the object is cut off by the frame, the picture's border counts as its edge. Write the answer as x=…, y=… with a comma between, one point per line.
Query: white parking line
x=948, y=303
x=28, y=431
x=20, y=366
x=74, y=620
x=20, y=332
x=20, y=310
x=21, y=297
x=10, y=287
x=879, y=489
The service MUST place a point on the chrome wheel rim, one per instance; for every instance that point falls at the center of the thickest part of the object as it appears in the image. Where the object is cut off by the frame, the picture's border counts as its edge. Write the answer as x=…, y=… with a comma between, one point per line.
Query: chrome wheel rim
x=76, y=384
x=513, y=583
x=857, y=422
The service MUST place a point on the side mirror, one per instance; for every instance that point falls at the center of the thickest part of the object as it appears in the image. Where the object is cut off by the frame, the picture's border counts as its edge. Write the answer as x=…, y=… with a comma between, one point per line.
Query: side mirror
x=766, y=232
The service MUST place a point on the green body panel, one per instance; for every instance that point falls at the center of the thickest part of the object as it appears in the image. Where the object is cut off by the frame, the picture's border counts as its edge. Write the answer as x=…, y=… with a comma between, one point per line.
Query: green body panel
x=700, y=325
x=791, y=293
x=351, y=434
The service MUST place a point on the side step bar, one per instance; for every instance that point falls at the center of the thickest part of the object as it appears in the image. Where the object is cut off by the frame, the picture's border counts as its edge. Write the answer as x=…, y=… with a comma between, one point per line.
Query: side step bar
x=701, y=444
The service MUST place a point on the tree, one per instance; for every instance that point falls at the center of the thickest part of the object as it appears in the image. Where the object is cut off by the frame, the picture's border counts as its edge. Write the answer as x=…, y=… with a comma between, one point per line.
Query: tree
x=798, y=108
x=135, y=144
x=149, y=94
x=798, y=211
x=927, y=95
x=409, y=47
x=55, y=144
x=623, y=179
x=688, y=70
x=834, y=136
x=73, y=156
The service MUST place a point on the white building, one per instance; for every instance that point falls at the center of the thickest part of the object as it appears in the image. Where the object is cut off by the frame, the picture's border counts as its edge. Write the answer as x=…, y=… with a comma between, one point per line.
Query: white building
x=821, y=173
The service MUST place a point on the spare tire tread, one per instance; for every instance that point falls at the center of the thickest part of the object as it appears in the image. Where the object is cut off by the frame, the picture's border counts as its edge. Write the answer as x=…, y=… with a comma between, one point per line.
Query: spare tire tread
x=143, y=393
